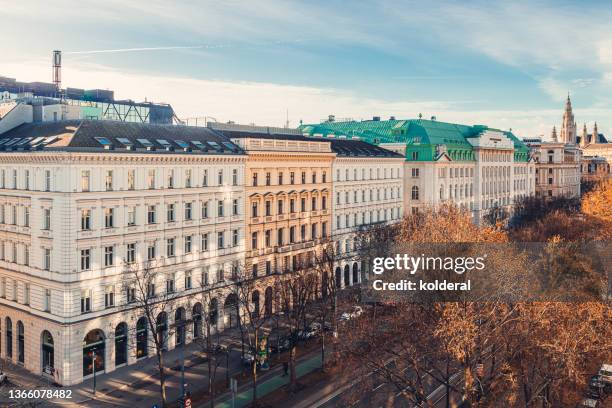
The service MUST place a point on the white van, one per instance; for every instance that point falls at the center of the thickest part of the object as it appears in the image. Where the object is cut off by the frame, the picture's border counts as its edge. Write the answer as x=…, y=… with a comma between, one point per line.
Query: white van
x=605, y=372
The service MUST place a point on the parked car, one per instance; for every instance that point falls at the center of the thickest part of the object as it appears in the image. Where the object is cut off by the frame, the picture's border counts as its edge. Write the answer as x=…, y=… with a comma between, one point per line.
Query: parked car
x=589, y=403
x=280, y=346
x=248, y=358
x=605, y=372
x=596, y=386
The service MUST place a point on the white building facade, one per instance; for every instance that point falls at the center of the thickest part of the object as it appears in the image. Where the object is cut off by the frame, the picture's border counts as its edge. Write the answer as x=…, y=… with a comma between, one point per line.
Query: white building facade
x=90, y=199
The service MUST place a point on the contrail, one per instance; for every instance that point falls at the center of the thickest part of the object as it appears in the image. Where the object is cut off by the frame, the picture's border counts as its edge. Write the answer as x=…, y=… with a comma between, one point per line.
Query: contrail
x=184, y=47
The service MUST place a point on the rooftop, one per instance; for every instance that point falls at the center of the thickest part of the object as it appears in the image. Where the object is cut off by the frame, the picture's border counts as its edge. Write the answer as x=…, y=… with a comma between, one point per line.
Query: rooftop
x=359, y=148
x=105, y=135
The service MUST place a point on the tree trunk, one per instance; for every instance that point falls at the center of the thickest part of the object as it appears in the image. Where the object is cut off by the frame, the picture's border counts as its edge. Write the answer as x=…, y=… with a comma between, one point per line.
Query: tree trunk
x=211, y=390
x=254, y=370
x=293, y=378
x=323, y=347
x=162, y=377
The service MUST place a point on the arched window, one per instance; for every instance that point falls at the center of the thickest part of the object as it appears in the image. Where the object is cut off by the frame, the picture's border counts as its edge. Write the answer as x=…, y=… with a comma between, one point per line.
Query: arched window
x=196, y=314
x=230, y=310
x=20, y=342
x=415, y=193
x=162, y=330
x=213, y=311
x=121, y=344
x=179, y=323
x=93, y=352
x=142, y=349
x=355, y=273
x=9, y=337
x=338, y=277
x=268, y=300
x=347, y=275
x=48, y=352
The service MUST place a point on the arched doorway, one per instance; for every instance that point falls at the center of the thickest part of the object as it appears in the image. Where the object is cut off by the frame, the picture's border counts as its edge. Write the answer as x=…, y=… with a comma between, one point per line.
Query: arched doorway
x=20, y=342
x=355, y=273
x=142, y=349
x=9, y=337
x=93, y=352
x=324, y=283
x=255, y=300
x=213, y=312
x=197, y=320
x=121, y=344
x=268, y=306
x=162, y=330
x=47, y=352
x=179, y=323
x=347, y=275
x=338, y=277
x=230, y=310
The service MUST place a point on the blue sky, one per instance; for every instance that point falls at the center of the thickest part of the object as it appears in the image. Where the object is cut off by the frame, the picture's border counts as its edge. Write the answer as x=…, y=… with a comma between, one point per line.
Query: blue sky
x=504, y=64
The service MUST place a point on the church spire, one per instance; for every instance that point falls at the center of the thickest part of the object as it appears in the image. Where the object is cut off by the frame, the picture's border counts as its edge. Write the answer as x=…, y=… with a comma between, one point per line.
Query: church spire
x=595, y=134
x=554, y=135
x=568, y=128
x=584, y=137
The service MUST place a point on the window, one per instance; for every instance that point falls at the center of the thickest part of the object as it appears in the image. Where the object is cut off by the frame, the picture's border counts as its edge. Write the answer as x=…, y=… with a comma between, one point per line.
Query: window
x=108, y=255
x=303, y=204
x=85, y=259
x=188, y=244
x=205, y=178
x=109, y=180
x=303, y=177
x=314, y=177
x=170, y=247
x=235, y=210
x=415, y=173
x=415, y=155
x=26, y=216
x=26, y=294
x=292, y=206
x=292, y=235
x=130, y=294
x=415, y=193
x=109, y=297
x=131, y=179
x=171, y=179
x=254, y=268
x=27, y=179
x=324, y=202
x=279, y=240
x=220, y=177
x=46, y=259
x=151, y=179
x=85, y=219
x=268, y=268
x=235, y=177
x=151, y=214
x=170, y=284
x=280, y=206
x=85, y=301
x=268, y=238
x=108, y=217
x=15, y=179
x=188, y=280
x=46, y=219
x=303, y=232
x=188, y=212
x=47, y=180
x=292, y=178
x=187, y=178
x=313, y=234
x=268, y=208
x=205, y=242
x=324, y=229
x=280, y=178
x=220, y=208
x=254, y=209
x=151, y=288
x=131, y=216
x=324, y=177
x=254, y=240
x=235, y=237
x=151, y=251
x=220, y=240
x=47, y=300
x=131, y=253
x=255, y=179
x=314, y=204
x=205, y=209
x=268, y=178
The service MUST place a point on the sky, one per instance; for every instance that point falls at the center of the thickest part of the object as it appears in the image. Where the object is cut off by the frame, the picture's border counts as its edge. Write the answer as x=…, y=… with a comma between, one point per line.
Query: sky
x=508, y=65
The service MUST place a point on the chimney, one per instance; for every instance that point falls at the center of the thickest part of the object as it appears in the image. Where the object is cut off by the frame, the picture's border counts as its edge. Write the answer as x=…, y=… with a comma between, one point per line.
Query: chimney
x=376, y=118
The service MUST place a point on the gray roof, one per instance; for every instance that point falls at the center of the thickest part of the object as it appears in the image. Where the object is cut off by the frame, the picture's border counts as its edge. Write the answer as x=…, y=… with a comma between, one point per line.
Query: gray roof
x=104, y=135
x=358, y=148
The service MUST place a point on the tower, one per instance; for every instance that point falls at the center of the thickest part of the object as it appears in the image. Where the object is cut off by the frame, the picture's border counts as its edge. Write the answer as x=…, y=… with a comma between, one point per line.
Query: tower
x=554, y=135
x=584, y=137
x=568, y=128
x=57, y=69
x=595, y=134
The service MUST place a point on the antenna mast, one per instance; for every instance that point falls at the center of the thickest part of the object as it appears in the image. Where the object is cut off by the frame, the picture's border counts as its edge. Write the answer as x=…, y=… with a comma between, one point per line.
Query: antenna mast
x=57, y=70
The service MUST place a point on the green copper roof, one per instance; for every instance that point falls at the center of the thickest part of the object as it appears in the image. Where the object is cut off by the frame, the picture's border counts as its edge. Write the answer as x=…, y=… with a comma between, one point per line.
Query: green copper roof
x=422, y=135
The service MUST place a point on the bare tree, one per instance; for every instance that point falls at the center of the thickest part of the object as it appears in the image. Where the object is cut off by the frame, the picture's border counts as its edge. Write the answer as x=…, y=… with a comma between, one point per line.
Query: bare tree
x=140, y=286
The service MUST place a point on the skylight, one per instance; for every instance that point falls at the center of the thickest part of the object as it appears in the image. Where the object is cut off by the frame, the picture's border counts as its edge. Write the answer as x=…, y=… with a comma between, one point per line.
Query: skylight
x=12, y=141
x=182, y=143
x=103, y=141
x=24, y=141
x=228, y=145
x=163, y=142
x=198, y=144
x=124, y=141
x=37, y=140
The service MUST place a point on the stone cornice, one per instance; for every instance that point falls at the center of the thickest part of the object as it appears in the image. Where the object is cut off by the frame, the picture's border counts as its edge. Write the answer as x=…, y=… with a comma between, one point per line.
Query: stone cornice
x=63, y=158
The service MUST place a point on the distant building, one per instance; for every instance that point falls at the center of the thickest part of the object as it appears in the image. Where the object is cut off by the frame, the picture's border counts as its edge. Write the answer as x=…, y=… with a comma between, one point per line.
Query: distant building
x=475, y=167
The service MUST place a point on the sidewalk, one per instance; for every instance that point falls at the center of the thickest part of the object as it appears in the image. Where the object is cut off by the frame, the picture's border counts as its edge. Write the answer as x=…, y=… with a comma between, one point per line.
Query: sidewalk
x=243, y=398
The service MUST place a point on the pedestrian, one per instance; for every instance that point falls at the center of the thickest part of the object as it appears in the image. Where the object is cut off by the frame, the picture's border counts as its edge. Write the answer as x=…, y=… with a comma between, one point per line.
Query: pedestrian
x=285, y=368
